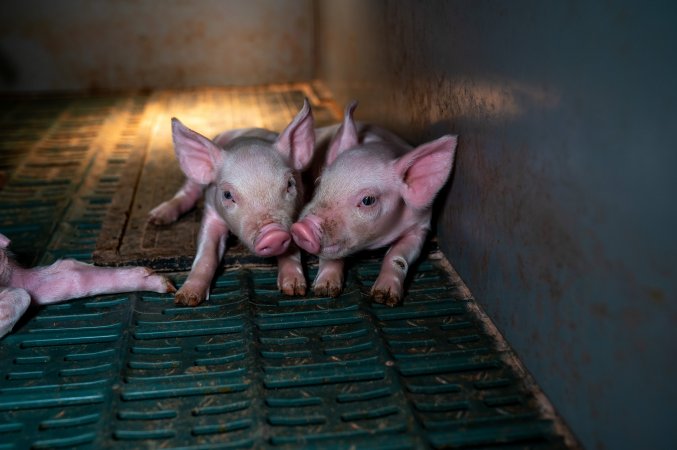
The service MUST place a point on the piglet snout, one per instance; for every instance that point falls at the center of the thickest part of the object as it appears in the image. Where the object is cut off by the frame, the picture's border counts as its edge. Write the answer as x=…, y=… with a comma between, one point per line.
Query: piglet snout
x=307, y=234
x=273, y=240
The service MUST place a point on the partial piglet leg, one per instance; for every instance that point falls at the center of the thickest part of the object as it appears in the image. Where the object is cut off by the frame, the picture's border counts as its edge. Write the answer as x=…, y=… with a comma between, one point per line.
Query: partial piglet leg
x=67, y=279
x=184, y=200
x=329, y=279
x=290, y=279
x=13, y=304
x=389, y=286
x=211, y=244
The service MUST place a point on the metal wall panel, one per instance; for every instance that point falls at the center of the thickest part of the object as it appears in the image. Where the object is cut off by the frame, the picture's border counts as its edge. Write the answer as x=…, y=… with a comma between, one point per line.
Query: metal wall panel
x=560, y=216
x=103, y=45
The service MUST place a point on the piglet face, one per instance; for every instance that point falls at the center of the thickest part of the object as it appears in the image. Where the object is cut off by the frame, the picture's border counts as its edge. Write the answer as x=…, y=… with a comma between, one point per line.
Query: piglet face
x=373, y=191
x=356, y=206
x=254, y=182
x=258, y=195
x=368, y=196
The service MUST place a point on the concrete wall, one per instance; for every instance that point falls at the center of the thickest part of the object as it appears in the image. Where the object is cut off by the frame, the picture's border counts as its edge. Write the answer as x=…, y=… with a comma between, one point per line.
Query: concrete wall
x=561, y=214
x=127, y=44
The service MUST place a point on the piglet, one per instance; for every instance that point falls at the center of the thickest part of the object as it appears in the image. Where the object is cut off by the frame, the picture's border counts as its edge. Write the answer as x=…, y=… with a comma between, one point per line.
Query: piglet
x=376, y=190
x=63, y=280
x=252, y=187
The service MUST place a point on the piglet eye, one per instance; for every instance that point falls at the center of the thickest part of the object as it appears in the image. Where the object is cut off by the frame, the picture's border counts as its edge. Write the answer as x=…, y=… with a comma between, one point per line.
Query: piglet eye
x=368, y=200
x=227, y=195
x=290, y=184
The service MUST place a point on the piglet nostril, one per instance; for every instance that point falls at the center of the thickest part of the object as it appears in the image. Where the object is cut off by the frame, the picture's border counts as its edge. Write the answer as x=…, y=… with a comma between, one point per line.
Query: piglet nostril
x=272, y=241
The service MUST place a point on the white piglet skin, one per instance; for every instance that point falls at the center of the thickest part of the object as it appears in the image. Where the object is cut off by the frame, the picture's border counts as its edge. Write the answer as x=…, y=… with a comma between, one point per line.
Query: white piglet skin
x=251, y=180
x=65, y=279
x=375, y=191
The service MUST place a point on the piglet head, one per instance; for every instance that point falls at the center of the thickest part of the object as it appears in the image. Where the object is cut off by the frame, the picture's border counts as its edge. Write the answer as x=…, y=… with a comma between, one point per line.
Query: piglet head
x=367, y=196
x=257, y=184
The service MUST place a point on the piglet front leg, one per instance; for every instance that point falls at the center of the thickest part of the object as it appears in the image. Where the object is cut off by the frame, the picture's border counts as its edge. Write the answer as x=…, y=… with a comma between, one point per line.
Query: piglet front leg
x=329, y=279
x=290, y=278
x=389, y=286
x=68, y=279
x=211, y=245
x=13, y=304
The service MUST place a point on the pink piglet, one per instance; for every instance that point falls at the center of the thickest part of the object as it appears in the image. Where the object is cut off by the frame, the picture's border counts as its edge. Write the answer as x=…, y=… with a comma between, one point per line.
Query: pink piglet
x=65, y=279
x=375, y=191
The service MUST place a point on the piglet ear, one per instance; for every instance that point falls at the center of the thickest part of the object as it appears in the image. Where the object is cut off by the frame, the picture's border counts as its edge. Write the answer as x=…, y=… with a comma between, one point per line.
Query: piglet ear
x=425, y=169
x=198, y=156
x=346, y=136
x=297, y=141
x=4, y=241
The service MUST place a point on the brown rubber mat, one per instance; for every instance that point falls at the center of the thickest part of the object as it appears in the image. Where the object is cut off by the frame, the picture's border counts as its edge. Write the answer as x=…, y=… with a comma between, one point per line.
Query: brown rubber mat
x=58, y=156
x=151, y=173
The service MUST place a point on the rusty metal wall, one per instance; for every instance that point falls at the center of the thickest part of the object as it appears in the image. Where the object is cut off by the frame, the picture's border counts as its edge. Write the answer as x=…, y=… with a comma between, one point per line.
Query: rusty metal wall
x=86, y=45
x=561, y=215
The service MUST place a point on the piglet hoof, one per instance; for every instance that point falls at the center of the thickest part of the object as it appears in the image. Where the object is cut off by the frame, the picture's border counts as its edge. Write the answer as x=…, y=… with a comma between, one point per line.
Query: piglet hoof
x=157, y=283
x=327, y=290
x=293, y=287
x=169, y=286
x=329, y=282
x=386, y=297
x=290, y=279
x=163, y=214
x=188, y=297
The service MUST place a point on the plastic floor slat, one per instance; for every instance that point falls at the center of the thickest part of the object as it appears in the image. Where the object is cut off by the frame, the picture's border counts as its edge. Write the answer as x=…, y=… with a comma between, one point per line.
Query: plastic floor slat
x=249, y=368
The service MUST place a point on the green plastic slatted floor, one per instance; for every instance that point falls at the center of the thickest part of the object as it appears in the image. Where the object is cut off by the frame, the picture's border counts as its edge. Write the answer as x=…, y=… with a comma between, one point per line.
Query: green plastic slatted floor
x=248, y=369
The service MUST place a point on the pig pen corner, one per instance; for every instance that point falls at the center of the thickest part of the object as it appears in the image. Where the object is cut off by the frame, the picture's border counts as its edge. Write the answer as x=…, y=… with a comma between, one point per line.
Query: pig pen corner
x=541, y=297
